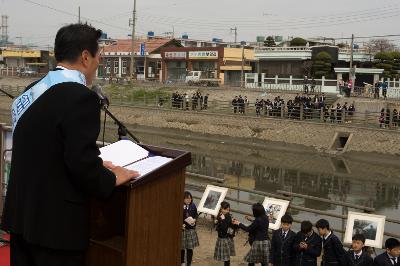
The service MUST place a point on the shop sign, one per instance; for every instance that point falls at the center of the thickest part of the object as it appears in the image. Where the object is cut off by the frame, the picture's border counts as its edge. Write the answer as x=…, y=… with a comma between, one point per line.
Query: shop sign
x=203, y=55
x=175, y=55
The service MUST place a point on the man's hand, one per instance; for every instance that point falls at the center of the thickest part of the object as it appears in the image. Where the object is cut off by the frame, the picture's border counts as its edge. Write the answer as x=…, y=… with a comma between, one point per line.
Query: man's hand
x=123, y=175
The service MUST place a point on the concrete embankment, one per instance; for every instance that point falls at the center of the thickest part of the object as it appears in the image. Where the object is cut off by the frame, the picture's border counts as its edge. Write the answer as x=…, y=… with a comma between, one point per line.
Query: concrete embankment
x=318, y=136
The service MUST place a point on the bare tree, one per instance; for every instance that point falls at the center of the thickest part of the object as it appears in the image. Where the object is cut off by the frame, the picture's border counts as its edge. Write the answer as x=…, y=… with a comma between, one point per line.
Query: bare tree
x=307, y=67
x=380, y=45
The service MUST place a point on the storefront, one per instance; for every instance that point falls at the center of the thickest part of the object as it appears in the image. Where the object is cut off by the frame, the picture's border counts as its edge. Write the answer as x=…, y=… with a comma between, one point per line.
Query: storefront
x=177, y=62
x=116, y=58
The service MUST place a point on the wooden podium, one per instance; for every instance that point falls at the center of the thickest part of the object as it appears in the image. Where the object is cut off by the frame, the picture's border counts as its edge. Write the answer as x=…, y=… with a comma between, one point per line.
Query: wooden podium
x=141, y=223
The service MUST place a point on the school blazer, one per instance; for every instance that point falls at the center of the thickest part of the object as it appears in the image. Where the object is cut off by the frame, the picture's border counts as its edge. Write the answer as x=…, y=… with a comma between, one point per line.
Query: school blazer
x=364, y=260
x=309, y=256
x=384, y=260
x=55, y=169
x=282, y=252
x=334, y=254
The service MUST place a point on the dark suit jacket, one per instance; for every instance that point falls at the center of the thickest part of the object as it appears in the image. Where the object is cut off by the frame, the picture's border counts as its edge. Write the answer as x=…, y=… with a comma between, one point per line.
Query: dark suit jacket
x=364, y=260
x=334, y=254
x=384, y=260
x=282, y=252
x=309, y=256
x=55, y=169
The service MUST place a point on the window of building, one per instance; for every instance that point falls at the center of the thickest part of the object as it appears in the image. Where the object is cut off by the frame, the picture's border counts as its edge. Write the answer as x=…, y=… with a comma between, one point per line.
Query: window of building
x=124, y=64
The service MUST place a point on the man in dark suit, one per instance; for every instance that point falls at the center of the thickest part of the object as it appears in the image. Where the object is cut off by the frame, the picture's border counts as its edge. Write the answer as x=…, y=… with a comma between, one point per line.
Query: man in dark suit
x=282, y=253
x=357, y=256
x=334, y=254
x=391, y=256
x=55, y=167
x=308, y=245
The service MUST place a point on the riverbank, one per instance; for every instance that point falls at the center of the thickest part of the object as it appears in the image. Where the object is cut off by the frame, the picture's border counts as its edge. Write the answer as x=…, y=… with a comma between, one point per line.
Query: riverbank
x=317, y=136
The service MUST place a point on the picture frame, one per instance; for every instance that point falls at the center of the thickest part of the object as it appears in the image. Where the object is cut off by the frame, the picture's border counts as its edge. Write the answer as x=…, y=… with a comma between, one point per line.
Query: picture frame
x=370, y=225
x=210, y=202
x=275, y=209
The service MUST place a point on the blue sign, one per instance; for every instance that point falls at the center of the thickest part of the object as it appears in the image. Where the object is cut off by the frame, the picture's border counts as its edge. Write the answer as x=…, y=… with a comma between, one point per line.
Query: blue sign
x=142, y=49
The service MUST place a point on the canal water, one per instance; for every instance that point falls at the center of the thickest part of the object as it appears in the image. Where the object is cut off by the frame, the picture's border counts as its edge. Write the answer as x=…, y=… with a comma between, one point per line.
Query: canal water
x=271, y=168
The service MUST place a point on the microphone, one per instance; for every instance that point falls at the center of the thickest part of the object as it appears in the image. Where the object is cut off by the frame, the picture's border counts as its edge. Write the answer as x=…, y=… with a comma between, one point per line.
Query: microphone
x=104, y=102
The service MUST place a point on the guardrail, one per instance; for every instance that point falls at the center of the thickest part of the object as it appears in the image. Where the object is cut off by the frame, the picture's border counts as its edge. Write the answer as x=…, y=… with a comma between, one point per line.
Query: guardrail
x=290, y=196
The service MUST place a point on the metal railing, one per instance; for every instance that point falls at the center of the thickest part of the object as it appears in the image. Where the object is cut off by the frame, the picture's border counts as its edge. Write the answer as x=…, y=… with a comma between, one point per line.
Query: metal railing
x=290, y=196
x=384, y=120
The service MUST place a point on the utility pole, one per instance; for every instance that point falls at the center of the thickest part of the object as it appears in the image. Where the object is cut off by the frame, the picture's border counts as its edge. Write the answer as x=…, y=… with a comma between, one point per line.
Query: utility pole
x=351, y=69
x=235, y=30
x=133, y=66
x=4, y=29
x=79, y=14
x=242, y=69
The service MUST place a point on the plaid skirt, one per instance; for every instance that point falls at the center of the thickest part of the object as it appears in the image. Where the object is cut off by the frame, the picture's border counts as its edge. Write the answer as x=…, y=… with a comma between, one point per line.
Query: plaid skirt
x=259, y=252
x=190, y=239
x=224, y=249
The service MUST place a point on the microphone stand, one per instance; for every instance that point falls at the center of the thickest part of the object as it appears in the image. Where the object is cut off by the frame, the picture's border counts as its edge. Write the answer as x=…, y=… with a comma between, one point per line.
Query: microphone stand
x=7, y=94
x=122, y=130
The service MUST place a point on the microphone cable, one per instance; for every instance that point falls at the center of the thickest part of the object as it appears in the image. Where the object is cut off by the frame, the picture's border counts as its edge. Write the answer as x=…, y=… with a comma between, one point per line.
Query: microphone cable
x=104, y=125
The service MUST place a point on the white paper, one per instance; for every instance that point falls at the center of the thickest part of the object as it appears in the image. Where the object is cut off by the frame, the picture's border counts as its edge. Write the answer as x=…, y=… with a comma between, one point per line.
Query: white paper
x=149, y=164
x=123, y=153
x=190, y=220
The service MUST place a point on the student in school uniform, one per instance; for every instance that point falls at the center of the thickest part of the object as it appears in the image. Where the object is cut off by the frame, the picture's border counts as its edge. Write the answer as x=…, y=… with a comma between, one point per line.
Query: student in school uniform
x=258, y=236
x=357, y=256
x=190, y=239
x=307, y=245
x=224, y=247
x=334, y=254
x=282, y=253
x=391, y=256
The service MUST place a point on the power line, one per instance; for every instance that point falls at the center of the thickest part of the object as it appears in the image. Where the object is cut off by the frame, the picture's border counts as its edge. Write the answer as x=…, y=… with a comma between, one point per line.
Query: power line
x=292, y=22
x=75, y=15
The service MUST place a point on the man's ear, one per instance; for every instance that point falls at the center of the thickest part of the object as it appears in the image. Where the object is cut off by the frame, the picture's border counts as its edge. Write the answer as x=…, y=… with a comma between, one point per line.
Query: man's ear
x=85, y=57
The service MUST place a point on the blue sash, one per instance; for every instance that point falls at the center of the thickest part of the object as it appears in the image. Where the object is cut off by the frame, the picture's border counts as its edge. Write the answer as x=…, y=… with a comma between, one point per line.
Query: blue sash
x=25, y=100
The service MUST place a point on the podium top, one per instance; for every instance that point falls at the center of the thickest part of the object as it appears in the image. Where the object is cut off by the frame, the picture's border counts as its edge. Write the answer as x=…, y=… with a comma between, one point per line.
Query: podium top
x=180, y=159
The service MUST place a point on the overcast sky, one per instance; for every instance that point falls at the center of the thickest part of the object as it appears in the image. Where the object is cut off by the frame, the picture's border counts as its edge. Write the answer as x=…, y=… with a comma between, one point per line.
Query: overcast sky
x=37, y=21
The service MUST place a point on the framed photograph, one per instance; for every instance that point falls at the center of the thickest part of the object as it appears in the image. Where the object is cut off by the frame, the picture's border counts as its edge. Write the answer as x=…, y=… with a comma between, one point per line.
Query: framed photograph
x=275, y=209
x=211, y=200
x=370, y=225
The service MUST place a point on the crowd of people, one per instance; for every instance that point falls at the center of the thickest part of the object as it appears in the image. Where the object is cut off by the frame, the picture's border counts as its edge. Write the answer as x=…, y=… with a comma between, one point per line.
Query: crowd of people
x=313, y=106
x=184, y=101
x=387, y=115
x=240, y=104
x=285, y=247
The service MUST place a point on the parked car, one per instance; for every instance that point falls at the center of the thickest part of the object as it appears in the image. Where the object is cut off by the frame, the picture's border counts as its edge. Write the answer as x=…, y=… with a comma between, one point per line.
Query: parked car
x=201, y=78
x=26, y=72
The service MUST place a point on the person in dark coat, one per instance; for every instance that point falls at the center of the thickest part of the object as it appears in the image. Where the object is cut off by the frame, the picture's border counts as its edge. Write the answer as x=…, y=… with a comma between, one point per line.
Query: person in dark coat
x=391, y=256
x=235, y=103
x=55, y=166
x=224, y=247
x=190, y=240
x=334, y=254
x=258, y=236
x=307, y=245
x=357, y=255
x=282, y=253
